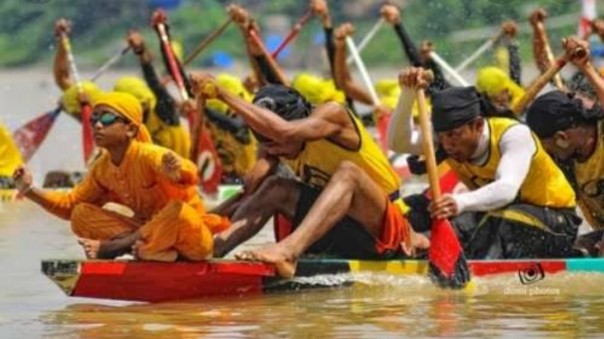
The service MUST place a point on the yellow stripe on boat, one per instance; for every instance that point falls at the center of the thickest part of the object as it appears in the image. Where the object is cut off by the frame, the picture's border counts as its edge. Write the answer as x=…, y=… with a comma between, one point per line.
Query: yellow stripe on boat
x=403, y=267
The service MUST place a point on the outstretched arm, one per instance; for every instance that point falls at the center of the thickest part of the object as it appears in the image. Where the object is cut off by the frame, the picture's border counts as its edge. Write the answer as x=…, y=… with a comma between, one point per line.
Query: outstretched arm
x=327, y=120
x=510, y=29
x=61, y=63
x=584, y=64
x=402, y=136
x=342, y=75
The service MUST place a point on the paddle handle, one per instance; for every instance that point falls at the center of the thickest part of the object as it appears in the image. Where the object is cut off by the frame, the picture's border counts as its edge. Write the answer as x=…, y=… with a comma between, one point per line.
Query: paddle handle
x=72, y=65
x=254, y=36
x=110, y=63
x=174, y=71
x=428, y=145
x=361, y=67
x=207, y=41
x=292, y=34
x=448, y=69
x=480, y=51
x=543, y=80
x=549, y=54
x=368, y=37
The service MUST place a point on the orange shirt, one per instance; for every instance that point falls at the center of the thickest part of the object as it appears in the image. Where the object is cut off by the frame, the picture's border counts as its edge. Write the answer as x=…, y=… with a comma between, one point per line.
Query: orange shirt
x=138, y=182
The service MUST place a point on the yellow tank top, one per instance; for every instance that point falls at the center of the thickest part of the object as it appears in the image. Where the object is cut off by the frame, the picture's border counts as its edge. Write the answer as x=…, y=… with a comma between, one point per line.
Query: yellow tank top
x=590, y=181
x=175, y=138
x=545, y=184
x=320, y=159
x=10, y=157
x=237, y=158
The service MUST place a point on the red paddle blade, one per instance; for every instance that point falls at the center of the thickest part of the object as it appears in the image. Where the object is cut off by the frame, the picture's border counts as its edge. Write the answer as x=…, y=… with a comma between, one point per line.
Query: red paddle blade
x=87, y=137
x=30, y=136
x=208, y=163
x=448, y=266
x=382, y=128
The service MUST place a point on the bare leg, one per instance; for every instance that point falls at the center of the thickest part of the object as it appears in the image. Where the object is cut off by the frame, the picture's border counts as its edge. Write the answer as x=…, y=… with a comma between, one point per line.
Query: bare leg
x=274, y=195
x=108, y=249
x=350, y=192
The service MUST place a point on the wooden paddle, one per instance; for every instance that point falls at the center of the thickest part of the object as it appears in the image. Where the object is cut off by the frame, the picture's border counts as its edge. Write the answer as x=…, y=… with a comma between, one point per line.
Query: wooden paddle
x=30, y=136
x=448, y=265
x=543, y=80
x=254, y=36
x=202, y=45
x=86, y=111
x=292, y=34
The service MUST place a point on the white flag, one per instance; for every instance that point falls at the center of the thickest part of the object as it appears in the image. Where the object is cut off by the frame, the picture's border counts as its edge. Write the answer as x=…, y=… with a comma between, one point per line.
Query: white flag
x=588, y=14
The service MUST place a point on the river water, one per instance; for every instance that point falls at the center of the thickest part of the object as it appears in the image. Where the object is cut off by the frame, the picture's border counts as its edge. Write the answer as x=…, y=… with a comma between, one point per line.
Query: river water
x=31, y=306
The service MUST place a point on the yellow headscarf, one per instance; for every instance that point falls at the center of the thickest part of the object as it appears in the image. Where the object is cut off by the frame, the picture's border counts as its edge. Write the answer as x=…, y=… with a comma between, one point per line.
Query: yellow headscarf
x=317, y=90
x=177, y=49
x=138, y=88
x=234, y=86
x=70, y=101
x=130, y=108
x=387, y=87
x=492, y=81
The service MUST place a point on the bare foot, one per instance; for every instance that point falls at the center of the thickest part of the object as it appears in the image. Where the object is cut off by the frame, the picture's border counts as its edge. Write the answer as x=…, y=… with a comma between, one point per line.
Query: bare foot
x=106, y=249
x=137, y=244
x=163, y=256
x=91, y=247
x=273, y=254
x=417, y=242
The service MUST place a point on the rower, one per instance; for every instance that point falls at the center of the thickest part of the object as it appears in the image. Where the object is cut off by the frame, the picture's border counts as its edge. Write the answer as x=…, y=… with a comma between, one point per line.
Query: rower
x=519, y=205
x=345, y=201
x=571, y=129
x=159, y=187
x=10, y=158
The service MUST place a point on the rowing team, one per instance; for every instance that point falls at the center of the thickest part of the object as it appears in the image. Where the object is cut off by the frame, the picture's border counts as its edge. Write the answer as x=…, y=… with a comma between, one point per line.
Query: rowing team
x=343, y=198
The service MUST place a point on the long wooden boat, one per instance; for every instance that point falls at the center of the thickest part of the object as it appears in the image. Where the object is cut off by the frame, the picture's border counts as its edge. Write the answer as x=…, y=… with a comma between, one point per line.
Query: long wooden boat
x=155, y=282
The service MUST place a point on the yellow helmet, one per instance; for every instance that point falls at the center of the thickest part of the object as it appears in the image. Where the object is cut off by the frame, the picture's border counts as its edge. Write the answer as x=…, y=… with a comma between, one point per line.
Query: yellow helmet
x=234, y=86
x=138, y=88
x=70, y=101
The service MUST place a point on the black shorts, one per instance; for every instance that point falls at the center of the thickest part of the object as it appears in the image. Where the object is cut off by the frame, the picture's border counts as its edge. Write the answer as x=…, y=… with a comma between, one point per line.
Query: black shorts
x=348, y=239
x=518, y=231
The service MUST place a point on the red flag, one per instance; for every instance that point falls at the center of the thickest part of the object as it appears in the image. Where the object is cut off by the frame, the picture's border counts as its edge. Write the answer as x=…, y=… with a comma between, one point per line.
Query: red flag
x=87, y=137
x=208, y=163
x=30, y=136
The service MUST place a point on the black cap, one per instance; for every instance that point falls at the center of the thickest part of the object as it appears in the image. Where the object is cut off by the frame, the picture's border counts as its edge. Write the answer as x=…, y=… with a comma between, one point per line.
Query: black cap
x=552, y=112
x=454, y=107
x=285, y=101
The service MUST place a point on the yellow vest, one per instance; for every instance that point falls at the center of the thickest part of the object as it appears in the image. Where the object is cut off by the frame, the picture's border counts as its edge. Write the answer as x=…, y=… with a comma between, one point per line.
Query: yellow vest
x=590, y=182
x=237, y=158
x=544, y=185
x=10, y=157
x=175, y=138
x=320, y=159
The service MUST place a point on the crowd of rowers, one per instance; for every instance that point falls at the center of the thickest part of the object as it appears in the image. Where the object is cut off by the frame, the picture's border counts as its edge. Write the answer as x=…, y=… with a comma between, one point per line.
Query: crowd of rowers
x=303, y=153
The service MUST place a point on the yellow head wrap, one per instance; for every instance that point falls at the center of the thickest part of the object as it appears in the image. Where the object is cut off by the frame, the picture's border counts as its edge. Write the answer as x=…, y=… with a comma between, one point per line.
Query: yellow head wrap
x=71, y=104
x=317, y=90
x=130, y=108
x=138, y=88
x=387, y=87
x=492, y=81
x=177, y=49
x=234, y=86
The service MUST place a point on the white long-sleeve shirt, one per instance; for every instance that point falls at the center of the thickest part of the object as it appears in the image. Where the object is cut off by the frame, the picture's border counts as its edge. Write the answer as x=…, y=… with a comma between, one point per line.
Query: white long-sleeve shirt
x=516, y=145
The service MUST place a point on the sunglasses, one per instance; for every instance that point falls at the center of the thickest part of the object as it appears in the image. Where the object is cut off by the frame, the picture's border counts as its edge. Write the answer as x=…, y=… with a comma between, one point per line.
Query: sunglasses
x=106, y=118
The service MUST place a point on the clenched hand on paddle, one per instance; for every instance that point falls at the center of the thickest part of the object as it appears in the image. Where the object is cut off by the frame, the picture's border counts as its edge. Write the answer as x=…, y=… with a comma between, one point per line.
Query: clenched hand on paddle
x=448, y=266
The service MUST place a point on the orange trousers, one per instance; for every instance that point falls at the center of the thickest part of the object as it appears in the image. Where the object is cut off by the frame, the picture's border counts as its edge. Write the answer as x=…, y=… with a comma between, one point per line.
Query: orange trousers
x=177, y=229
